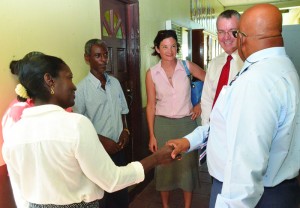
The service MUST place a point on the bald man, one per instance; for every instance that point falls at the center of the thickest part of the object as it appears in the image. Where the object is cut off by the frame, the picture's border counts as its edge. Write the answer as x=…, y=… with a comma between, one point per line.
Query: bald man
x=253, y=150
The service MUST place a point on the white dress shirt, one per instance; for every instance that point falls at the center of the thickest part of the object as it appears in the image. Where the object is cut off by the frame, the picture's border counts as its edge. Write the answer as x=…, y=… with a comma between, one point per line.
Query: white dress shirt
x=55, y=157
x=254, y=130
x=212, y=78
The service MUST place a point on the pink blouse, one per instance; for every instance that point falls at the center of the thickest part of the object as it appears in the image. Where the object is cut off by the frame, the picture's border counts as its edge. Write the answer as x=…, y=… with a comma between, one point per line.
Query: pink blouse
x=172, y=101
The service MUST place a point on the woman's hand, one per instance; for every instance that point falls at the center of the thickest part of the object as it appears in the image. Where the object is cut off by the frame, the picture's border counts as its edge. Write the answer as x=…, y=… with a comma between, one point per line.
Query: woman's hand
x=152, y=144
x=196, y=111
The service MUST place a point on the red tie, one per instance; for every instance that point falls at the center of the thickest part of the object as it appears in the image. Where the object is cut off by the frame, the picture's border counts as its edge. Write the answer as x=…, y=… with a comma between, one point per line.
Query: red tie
x=223, y=80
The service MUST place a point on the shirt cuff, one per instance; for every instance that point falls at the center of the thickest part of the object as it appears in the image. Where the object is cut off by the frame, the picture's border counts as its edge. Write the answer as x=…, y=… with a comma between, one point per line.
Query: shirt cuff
x=139, y=170
x=220, y=202
x=196, y=137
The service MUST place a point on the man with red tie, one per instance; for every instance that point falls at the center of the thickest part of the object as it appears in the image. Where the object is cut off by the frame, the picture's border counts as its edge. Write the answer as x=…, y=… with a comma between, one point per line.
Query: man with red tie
x=220, y=71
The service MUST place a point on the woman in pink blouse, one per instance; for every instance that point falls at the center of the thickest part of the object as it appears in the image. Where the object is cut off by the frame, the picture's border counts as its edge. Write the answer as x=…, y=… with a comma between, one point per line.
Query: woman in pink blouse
x=171, y=115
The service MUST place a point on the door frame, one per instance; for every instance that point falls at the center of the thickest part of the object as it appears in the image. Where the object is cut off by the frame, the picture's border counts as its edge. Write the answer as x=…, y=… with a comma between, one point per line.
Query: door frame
x=133, y=90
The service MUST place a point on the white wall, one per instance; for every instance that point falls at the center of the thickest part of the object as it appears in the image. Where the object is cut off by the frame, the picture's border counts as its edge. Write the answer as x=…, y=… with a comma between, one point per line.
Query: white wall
x=292, y=44
x=55, y=27
x=153, y=17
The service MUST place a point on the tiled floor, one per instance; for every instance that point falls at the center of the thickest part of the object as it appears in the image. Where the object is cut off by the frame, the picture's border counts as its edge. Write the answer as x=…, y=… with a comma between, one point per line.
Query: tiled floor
x=150, y=198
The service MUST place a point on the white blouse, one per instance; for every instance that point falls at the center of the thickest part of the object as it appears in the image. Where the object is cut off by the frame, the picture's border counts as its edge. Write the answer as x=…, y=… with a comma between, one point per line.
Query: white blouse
x=55, y=157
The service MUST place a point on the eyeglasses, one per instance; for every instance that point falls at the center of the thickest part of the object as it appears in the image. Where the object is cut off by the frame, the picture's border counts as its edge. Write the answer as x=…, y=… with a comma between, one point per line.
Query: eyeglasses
x=236, y=32
x=222, y=33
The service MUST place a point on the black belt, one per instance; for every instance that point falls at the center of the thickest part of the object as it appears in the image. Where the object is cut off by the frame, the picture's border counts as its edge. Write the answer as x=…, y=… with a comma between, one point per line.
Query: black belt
x=289, y=181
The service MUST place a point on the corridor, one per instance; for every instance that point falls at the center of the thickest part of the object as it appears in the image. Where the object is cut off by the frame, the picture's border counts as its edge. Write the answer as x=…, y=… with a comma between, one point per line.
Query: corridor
x=150, y=198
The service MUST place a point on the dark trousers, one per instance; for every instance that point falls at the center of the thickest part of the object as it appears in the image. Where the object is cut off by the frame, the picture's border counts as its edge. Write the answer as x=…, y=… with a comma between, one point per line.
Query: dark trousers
x=284, y=195
x=118, y=199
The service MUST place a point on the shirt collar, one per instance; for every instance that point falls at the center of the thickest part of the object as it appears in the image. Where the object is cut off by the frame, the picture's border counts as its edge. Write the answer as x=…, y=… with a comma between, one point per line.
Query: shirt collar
x=41, y=109
x=235, y=55
x=179, y=66
x=96, y=82
x=263, y=54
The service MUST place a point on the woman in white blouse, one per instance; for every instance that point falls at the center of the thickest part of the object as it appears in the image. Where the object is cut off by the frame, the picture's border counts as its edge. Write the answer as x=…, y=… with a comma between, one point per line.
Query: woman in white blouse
x=54, y=157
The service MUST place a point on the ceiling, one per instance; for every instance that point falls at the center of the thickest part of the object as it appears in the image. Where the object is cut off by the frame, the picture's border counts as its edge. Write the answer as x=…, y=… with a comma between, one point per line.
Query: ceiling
x=241, y=5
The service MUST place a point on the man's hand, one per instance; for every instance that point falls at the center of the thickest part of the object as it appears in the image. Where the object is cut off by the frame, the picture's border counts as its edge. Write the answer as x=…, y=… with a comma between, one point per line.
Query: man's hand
x=123, y=139
x=109, y=145
x=179, y=146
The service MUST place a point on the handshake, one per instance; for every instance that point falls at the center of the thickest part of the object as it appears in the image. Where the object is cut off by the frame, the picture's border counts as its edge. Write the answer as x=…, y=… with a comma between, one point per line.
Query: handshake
x=172, y=150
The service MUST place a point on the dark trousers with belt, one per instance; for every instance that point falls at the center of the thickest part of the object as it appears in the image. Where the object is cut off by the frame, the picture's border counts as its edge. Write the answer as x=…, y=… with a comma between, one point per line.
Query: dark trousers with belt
x=118, y=199
x=284, y=195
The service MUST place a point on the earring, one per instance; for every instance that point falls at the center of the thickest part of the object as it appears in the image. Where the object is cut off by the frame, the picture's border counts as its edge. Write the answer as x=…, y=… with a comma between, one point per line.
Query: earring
x=52, y=90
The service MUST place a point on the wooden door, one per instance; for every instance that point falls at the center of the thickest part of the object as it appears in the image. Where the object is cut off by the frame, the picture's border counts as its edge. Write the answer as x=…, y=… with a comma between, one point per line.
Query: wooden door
x=198, y=47
x=113, y=20
x=120, y=29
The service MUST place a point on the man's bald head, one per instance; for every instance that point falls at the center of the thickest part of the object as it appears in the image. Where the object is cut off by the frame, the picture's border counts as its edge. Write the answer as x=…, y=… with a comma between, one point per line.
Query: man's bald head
x=262, y=25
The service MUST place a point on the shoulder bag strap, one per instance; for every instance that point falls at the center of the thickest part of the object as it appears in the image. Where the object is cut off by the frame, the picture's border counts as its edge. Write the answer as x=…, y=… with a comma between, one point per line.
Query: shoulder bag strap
x=186, y=68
